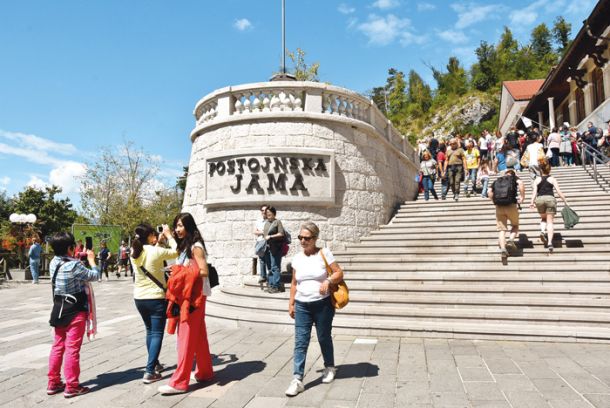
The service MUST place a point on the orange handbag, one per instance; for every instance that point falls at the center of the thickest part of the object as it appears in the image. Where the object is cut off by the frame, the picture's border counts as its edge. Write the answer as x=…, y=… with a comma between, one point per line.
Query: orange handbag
x=339, y=292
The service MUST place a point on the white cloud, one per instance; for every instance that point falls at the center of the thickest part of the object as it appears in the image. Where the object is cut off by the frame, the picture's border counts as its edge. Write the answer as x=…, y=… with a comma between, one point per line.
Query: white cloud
x=527, y=15
x=242, y=24
x=384, y=30
x=345, y=9
x=425, y=7
x=453, y=36
x=5, y=181
x=469, y=14
x=408, y=38
x=68, y=176
x=386, y=4
x=577, y=6
x=37, y=183
x=38, y=143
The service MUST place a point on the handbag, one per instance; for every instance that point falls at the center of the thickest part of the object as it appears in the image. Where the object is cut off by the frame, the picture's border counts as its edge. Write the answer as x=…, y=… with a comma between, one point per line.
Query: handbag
x=339, y=292
x=213, y=275
x=260, y=247
x=570, y=218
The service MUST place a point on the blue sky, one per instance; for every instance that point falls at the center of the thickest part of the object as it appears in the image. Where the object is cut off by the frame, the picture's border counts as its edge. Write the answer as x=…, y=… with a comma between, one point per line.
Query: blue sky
x=77, y=75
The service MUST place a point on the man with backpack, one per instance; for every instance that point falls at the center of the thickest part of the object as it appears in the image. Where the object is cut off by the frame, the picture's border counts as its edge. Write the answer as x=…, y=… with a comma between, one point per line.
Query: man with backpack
x=507, y=192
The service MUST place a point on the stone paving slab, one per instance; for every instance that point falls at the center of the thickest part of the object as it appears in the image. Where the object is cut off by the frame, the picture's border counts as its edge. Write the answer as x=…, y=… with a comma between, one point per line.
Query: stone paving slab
x=254, y=366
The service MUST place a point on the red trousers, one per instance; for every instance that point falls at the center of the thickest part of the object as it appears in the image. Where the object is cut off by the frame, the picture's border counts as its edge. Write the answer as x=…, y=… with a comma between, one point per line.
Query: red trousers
x=192, y=343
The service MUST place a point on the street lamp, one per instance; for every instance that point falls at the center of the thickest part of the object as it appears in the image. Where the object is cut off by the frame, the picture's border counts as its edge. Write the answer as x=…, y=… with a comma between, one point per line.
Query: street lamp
x=21, y=220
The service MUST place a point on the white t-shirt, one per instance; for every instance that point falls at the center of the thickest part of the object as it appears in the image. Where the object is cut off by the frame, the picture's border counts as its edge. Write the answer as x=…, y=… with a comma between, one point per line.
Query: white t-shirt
x=482, y=143
x=533, y=152
x=260, y=225
x=310, y=273
x=183, y=260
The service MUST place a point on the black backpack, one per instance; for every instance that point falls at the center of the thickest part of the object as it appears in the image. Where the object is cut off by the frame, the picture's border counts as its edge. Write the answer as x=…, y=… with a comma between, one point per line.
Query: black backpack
x=505, y=190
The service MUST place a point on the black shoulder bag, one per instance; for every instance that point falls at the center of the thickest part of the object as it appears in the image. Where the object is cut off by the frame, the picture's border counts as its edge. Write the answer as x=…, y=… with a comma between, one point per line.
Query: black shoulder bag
x=152, y=278
x=65, y=307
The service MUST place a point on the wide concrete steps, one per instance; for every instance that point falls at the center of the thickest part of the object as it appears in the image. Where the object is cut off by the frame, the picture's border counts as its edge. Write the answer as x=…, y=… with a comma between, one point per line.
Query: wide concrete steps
x=434, y=270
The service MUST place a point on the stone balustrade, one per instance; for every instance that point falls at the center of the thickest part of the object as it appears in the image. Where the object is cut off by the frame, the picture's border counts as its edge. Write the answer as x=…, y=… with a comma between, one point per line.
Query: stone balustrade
x=309, y=99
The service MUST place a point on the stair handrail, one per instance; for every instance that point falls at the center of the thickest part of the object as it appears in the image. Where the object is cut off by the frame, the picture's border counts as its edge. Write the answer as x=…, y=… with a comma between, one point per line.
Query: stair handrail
x=590, y=156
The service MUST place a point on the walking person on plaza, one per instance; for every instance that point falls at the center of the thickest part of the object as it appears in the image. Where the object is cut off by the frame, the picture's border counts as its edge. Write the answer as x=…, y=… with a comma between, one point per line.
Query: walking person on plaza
x=104, y=257
x=507, y=192
x=533, y=153
x=34, y=259
x=310, y=304
x=554, y=144
x=123, y=259
x=192, y=332
x=455, y=167
x=543, y=199
x=71, y=307
x=428, y=169
x=483, y=177
x=441, y=157
x=473, y=159
x=259, y=233
x=565, y=148
x=147, y=258
x=274, y=235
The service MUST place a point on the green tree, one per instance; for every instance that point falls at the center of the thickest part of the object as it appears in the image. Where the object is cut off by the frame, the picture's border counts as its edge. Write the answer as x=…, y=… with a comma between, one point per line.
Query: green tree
x=506, y=55
x=119, y=185
x=484, y=73
x=562, y=30
x=379, y=97
x=301, y=70
x=454, y=81
x=419, y=94
x=540, y=41
x=397, y=97
x=53, y=214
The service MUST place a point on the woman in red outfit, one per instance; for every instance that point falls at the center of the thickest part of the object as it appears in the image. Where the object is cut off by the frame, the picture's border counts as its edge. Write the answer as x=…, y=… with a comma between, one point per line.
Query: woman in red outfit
x=192, y=333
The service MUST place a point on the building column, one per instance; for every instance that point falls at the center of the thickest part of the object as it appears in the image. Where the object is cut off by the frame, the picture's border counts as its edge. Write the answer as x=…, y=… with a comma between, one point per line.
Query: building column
x=606, y=76
x=588, y=91
x=551, y=112
x=540, y=120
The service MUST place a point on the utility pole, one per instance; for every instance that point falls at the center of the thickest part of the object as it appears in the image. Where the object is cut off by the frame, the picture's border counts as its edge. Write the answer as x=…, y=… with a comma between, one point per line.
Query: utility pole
x=283, y=75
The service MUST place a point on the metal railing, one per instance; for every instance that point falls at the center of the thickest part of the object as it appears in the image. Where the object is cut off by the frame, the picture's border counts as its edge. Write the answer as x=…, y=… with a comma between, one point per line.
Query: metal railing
x=592, y=161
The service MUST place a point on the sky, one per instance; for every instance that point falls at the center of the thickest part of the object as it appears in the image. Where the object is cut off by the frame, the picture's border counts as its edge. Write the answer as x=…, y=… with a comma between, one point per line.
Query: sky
x=78, y=76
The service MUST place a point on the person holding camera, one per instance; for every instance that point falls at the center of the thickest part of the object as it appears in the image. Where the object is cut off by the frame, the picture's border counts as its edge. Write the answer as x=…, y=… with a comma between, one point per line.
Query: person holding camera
x=70, y=312
x=149, y=289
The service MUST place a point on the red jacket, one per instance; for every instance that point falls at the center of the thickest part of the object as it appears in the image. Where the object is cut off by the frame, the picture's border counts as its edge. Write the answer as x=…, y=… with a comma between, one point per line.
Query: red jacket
x=185, y=289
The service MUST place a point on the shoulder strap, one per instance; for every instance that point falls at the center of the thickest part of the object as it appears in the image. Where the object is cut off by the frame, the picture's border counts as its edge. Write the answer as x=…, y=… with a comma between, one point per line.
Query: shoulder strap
x=328, y=270
x=54, y=278
x=152, y=278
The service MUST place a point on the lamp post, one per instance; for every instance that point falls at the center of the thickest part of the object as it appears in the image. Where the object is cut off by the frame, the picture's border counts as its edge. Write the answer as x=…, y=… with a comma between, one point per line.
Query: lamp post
x=21, y=220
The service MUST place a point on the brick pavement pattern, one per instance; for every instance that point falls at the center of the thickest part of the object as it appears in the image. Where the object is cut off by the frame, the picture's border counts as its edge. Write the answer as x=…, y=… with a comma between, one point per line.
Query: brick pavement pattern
x=254, y=366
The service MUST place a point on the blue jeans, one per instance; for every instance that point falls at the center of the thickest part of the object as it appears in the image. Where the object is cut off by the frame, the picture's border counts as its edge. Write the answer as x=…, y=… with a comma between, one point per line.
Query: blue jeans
x=471, y=179
x=485, y=183
x=444, y=186
x=262, y=265
x=274, y=266
x=428, y=182
x=35, y=269
x=306, y=314
x=153, y=315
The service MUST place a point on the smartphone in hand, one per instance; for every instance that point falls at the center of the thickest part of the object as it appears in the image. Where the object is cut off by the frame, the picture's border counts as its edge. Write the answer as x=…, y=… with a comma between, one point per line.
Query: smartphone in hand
x=88, y=243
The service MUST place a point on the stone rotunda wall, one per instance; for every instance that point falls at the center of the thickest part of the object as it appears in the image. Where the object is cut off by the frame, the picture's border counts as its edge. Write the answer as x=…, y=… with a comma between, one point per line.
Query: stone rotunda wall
x=315, y=152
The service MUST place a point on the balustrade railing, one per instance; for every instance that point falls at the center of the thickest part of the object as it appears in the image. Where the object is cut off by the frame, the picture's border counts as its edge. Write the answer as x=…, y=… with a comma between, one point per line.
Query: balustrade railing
x=591, y=160
x=298, y=97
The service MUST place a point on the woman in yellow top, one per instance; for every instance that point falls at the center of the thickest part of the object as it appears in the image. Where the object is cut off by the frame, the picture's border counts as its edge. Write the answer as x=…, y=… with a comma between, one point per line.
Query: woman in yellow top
x=149, y=290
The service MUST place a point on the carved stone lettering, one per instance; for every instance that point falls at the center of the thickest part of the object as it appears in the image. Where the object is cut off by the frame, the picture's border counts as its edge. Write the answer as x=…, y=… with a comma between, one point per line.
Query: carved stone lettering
x=254, y=165
x=237, y=188
x=254, y=185
x=278, y=183
x=298, y=184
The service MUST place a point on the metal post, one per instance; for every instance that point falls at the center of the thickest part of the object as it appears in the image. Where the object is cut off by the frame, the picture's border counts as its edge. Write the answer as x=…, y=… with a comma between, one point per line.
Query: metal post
x=595, y=167
x=283, y=36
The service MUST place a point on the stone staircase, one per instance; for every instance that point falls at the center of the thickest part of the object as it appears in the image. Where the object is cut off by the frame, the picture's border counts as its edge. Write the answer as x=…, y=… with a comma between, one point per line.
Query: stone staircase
x=434, y=270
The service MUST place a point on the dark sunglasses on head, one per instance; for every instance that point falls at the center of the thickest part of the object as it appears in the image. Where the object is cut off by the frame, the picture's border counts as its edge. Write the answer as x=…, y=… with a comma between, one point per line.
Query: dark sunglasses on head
x=305, y=238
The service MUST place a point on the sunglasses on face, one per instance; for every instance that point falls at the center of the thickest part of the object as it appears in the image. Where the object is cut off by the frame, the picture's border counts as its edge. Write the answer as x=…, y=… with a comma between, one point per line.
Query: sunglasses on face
x=307, y=239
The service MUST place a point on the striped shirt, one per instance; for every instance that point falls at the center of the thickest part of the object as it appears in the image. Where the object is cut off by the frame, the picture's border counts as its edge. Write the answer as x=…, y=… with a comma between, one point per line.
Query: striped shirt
x=71, y=276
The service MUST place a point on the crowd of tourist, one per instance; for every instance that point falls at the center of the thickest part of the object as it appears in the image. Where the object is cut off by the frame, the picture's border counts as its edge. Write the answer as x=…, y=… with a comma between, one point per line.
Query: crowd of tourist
x=471, y=159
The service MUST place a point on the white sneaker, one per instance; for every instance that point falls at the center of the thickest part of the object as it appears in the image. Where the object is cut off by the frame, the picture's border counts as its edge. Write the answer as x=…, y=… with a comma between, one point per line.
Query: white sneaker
x=169, y=390
x=328, y=375
x=295, y=387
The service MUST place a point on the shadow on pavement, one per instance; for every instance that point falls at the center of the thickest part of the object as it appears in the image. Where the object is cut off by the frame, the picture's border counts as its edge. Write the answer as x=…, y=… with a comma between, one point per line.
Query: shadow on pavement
x=233, y=372
x=117, y=377
x=359, y=370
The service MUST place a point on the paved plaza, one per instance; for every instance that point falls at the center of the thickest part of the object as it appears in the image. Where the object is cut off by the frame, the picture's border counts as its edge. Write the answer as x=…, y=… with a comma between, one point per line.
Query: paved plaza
x=254, y=366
